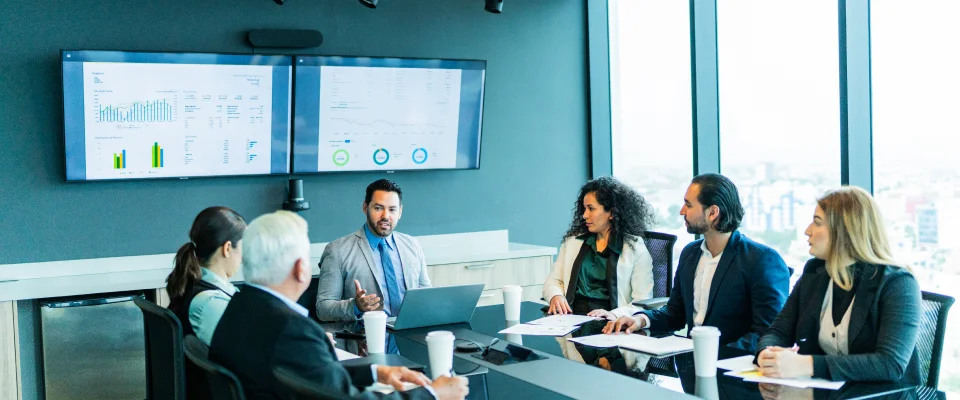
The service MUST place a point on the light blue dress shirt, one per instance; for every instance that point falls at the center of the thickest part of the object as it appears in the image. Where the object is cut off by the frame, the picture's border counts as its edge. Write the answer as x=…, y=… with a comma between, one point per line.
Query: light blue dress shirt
x=207, y=307
x=394, y=257
x=290, y=303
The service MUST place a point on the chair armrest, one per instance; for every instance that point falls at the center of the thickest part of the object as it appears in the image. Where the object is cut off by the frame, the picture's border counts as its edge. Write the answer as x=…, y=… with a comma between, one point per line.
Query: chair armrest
x=652, y=304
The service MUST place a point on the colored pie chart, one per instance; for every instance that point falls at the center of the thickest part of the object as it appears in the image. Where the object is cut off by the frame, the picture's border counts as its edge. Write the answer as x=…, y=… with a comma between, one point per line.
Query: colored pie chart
x=420, y=156
x=341, y=157
x=381, y=156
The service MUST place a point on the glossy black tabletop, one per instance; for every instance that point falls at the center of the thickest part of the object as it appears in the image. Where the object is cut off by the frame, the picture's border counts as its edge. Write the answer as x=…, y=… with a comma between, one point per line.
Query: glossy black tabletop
x=568, y=370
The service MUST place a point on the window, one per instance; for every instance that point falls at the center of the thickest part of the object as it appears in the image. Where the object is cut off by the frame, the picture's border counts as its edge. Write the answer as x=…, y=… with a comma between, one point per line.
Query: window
x=916, y=179
x=651, y=105
x=779, y=114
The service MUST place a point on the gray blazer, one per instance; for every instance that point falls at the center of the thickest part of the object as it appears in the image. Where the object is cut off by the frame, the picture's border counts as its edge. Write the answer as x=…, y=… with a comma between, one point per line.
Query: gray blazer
x=351, y=257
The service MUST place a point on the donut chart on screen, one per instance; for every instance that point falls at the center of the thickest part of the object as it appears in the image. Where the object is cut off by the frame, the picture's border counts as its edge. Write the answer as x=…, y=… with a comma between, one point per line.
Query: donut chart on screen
x=341, y=157
x=381, y=156
x=419, y=156
x=388, y=114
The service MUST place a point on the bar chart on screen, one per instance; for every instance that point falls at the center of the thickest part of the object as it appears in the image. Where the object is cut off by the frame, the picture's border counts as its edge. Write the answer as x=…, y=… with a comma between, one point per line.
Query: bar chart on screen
x=139, y=111
x=185, y=120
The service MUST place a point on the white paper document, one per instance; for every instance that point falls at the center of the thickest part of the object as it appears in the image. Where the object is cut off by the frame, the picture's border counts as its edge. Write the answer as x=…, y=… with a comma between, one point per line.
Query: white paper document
x=387, y=389
x=643, y=344
x=802, y=383
x=539, y=330
x=563, y=320
x=798, y=383
x=343, y=355
x=744, y=363
x=600, y=341
x=659, y=346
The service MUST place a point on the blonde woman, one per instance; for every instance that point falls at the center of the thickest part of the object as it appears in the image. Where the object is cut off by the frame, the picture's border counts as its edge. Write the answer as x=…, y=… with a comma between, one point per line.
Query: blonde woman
x=854, y=313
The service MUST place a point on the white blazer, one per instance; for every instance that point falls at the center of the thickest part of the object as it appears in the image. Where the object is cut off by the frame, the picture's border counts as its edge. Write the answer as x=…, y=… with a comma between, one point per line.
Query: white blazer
x=634, y=274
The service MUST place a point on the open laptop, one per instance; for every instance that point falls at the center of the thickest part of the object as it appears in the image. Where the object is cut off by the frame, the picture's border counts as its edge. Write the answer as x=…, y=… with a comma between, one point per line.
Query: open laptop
x=436, y=306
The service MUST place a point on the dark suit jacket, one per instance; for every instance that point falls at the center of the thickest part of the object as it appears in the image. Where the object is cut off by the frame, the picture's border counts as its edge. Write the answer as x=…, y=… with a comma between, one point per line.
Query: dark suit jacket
x=883, y=327
x=748, y=290
x=259, y=332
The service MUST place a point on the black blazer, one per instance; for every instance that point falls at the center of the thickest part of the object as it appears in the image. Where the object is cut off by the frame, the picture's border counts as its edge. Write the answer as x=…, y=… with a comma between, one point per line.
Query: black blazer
x=748, y=290
x=259, y=332
x=883, y=327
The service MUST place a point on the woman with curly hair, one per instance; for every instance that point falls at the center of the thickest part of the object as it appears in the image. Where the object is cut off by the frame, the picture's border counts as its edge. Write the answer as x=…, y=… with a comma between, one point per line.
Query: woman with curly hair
x=603, y=264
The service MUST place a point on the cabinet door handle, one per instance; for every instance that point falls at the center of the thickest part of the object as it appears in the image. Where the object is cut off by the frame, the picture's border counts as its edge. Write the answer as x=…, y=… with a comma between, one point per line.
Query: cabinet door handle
x=479, y=266
x=90, y=302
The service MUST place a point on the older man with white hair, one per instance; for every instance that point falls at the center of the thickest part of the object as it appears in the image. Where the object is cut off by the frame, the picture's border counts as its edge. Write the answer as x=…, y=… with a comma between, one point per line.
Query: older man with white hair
x=263, y=327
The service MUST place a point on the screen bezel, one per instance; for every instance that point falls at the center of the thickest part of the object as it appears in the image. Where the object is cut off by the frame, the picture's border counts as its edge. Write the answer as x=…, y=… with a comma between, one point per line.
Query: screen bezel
x=290, y=116
x=483, y=99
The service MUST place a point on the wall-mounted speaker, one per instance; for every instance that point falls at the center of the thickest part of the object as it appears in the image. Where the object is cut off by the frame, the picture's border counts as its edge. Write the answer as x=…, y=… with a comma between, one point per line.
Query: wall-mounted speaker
x=285, y=38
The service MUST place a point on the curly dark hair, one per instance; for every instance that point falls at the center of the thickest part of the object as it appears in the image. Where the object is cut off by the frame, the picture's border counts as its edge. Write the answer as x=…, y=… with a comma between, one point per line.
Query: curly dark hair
x=632, y=215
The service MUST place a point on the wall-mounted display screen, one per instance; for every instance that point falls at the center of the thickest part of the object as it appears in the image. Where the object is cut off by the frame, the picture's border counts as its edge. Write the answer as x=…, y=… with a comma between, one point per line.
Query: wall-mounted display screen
x=135, y=115
x=368, y=114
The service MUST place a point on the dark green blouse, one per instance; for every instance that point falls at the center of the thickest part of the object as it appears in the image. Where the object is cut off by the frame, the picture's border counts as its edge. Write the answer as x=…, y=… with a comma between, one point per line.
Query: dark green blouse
x=592, y=280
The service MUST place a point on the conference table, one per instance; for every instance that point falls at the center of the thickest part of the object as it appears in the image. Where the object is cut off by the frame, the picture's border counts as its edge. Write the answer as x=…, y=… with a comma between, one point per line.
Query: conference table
x=566, y=370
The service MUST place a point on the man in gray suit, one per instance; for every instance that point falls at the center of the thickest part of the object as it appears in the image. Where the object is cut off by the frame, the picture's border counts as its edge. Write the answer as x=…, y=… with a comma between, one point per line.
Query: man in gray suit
x=374, y=259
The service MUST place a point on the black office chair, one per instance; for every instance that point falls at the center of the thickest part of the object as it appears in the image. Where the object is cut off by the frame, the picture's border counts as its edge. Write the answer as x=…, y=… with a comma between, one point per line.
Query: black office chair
x=223, y=384
x=164, y=352
x=660, y=245
x=933, y=329
x=303, y=389
x=309, y=298
x=928, y=393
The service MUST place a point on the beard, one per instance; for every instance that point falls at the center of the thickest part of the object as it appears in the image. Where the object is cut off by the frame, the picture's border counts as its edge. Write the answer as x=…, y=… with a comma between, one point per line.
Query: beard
x=698, y=228
x=375, y=227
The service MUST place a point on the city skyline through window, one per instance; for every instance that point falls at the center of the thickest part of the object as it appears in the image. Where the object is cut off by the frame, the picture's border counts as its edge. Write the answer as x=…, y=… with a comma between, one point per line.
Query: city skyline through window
x=779, y=109
x=779, y=115
x=915, y=177
x=650, y=105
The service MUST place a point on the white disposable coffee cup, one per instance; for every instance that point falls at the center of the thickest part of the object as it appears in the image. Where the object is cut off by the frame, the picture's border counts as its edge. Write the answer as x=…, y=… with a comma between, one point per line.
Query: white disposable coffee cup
x=706, y=347
x=511, y=302
x=706, y=388
x=375, y=329
x=440, y=351
x=513, y=337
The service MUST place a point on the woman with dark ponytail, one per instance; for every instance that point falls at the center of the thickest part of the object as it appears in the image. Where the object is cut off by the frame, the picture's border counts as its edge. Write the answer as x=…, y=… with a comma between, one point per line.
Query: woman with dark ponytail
x=199, y=286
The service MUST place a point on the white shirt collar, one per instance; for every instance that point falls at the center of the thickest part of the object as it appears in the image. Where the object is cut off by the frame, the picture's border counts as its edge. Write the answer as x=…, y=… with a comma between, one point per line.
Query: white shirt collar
x=292, y=304
x=708, y=254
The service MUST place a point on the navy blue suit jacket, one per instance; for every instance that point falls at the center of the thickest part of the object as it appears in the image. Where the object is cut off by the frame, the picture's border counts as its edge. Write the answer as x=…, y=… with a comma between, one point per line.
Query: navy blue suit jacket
x=748, y=290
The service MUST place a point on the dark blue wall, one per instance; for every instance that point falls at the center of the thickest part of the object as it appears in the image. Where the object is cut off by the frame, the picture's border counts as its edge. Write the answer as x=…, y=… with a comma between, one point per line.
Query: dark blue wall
x=535, y=141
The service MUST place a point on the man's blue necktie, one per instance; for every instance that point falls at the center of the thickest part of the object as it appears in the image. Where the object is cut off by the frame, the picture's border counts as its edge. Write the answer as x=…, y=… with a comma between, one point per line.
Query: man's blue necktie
x=393, y=288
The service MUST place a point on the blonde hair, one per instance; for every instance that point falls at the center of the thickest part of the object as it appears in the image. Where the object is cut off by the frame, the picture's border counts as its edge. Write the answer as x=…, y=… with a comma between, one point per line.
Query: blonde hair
x=856, y=233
